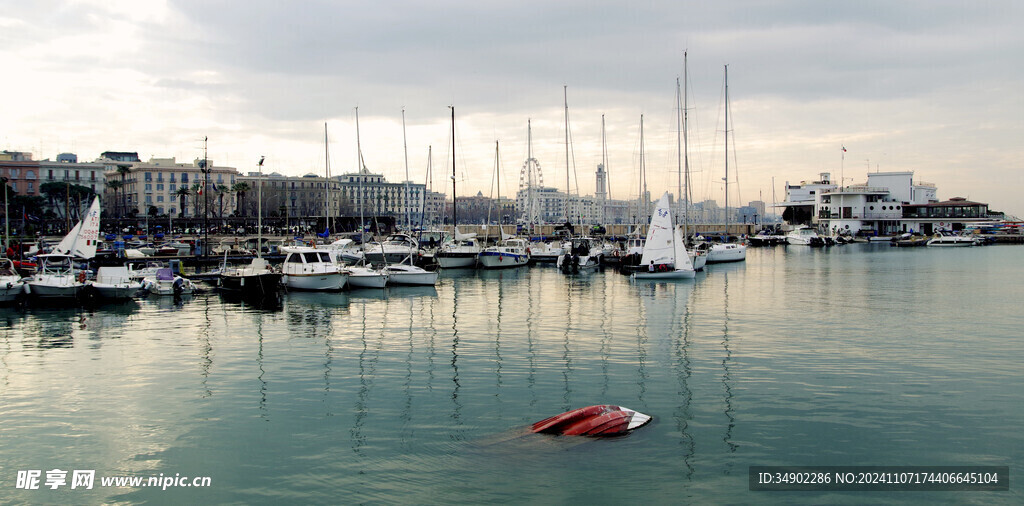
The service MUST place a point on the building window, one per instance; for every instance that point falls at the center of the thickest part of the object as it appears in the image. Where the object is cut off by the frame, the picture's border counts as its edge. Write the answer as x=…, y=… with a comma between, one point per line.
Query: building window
x=173, y=187
x=172, y=180
x=149, y=199
x=92, y=175
x=149, y=187
x=184, y=178
x=160, y=198
x=31, y=187
x=76, y=176
x=149, y=176
x=49, y=174
x=159, y=186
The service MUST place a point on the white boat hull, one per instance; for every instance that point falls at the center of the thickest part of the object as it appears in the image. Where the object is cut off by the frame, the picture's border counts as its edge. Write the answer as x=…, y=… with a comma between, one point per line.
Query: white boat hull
x=55, y=289
x=498, y=260
x=361, y=277
x=316, y=281
x=11, y=290
x=676, y=274
x=116, y=291
x=410, y=276
x=720, y=253
x=451, y=260
x=698, y=261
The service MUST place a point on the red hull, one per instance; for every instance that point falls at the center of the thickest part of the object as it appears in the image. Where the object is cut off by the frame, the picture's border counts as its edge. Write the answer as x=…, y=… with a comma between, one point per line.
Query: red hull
x=599, y=420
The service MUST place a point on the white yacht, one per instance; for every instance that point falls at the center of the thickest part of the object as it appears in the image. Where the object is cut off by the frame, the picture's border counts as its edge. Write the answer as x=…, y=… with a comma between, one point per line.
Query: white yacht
x=950, y=239
x=507, y=253
x=726, y=252
x=115, y=283
x=11, y=286
x=803, y=236
x=361, y=275
x=58, y=277
x=664, y=253
x=313, y=269
x=165, y=282
x=394, y=249
x=460, y=252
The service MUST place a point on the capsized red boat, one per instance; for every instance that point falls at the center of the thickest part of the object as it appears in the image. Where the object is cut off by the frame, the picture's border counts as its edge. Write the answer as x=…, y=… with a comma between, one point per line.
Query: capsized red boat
x=600, y=420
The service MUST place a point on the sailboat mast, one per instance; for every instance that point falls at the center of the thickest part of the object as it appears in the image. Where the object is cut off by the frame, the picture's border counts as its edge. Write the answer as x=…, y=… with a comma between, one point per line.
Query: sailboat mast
x=686, y=150
x=454, y=199
x=362, y=166
x=428, y=187
x=405, y=149
x=607, y=176
x=679, y=149
x=531, y=216
x=726, y=152
x=565, y=94
x=327, y=180
x=259, y=211
x=643, y=170
x=497, y=177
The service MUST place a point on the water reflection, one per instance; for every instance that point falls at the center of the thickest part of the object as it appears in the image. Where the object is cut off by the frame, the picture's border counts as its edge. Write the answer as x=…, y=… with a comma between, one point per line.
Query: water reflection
x=726, y=375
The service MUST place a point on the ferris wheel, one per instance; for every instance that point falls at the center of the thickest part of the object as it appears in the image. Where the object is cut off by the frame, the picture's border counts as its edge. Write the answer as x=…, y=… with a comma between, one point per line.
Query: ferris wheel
x=530, y=179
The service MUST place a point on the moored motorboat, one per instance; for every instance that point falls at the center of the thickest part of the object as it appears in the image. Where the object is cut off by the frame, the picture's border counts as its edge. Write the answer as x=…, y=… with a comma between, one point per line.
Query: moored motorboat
x=256, y=279
x=115, y=283
x=164, y=282
x=507, y=253
x=306, y=268
x=11, y=286
x=947, y=239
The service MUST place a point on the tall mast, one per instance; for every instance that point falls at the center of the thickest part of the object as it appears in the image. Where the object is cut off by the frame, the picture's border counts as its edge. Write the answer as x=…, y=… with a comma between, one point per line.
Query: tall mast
x=428, y=187
x=497, y=176
x=679, y=151
x=565, y=93
x=686, y=151
x=726, y=152
x=531, y=217
x=259, y=211
x=206, y=199
x=405, y=148
x=607, y=177
x=360, y=171
x=454, y=206
x=643, y=170
x=327, y=181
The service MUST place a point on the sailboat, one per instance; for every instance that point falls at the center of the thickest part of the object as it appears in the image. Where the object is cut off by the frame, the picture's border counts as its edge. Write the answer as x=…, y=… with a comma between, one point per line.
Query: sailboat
x=312, y=268
x=363, y=275
x=258, y=279
x=462, y=250
x=726, y=251
x=580, y=253
x=664, y=251
x=58, y=277
x=699, y=258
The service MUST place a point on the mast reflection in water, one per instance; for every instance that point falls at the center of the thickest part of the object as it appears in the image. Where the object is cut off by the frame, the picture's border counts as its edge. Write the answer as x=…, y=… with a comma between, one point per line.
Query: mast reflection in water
x=422, y=395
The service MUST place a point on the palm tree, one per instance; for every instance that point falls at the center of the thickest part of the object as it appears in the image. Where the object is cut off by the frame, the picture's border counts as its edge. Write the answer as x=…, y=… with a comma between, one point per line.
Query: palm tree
x=124, y=170
x=195, y=202
x=182, y=193
x=221, y=191
x=240, y=189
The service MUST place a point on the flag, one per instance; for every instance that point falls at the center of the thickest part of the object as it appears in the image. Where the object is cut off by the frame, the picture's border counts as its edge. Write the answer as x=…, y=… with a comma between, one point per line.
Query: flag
x=201, y=185
x=844, y=149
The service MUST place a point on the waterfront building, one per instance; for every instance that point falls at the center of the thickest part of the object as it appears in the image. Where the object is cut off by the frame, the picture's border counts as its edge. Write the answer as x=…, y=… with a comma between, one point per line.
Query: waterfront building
x=156, y=186
x=887, y=203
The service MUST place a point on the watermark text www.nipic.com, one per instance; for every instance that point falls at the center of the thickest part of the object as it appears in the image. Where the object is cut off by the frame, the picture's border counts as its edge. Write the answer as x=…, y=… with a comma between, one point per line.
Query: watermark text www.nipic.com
x=35, y=479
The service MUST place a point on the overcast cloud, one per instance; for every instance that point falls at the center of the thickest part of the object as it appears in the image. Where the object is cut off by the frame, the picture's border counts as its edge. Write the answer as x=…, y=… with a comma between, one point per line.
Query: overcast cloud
x=927, y=86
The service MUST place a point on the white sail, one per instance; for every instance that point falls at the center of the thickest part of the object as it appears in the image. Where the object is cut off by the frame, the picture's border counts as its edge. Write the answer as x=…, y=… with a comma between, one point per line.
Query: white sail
x=81, y=241
x=660, y=245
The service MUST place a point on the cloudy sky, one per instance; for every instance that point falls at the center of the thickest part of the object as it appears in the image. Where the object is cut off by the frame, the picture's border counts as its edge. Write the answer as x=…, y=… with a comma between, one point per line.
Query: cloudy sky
x=934, y=87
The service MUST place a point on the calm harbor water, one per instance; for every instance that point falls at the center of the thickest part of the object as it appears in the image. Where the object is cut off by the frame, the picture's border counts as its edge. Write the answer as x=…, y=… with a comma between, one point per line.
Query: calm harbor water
x=854, y=355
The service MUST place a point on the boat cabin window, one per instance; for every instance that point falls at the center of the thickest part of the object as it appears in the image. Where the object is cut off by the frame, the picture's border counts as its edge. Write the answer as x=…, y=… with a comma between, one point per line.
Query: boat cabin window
x=294, y=258
x=311, y=257
x=325, y=257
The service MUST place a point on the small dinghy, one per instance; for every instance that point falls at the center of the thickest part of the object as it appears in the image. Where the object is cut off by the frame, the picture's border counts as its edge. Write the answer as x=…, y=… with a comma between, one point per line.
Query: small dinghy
x=601, y=420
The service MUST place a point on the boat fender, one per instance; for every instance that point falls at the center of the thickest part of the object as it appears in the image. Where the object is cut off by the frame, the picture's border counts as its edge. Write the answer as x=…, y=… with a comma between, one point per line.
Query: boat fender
x=81, y=276
x=26, y=288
